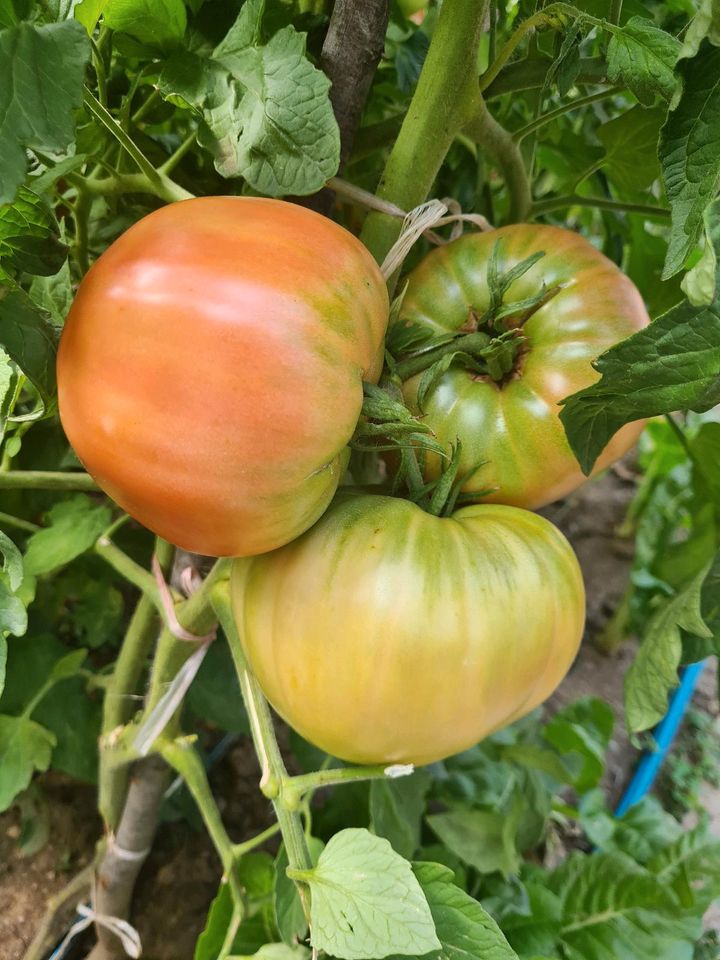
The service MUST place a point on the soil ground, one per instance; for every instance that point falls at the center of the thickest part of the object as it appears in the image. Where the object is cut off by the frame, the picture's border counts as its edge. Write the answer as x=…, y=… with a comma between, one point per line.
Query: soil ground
x=180, y=878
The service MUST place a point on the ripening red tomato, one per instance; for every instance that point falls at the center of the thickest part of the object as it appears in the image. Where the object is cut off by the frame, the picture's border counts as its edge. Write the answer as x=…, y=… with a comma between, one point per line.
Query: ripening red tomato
x=512, y=426
x=210, y=371
x=387, y=635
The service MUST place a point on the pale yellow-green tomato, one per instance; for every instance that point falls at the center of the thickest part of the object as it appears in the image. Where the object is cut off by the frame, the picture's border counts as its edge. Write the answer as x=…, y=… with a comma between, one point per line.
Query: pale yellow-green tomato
x=387, y=635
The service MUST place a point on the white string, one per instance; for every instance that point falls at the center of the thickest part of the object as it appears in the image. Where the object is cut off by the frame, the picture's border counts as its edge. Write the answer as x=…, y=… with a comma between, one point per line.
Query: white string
x=122, y=853
x=165, y=708
x=173, y=624
x=415, y=223
x=399, y=770
x=126, y=934
x=434, y=213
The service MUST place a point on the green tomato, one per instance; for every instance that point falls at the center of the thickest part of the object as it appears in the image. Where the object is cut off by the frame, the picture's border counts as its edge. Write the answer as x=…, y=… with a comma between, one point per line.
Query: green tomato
x=512, y=427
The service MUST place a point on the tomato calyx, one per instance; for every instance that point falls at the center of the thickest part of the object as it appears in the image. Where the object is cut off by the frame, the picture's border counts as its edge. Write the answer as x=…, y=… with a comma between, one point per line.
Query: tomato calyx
x=387, y=424
x=490, y=345
x=440, y=496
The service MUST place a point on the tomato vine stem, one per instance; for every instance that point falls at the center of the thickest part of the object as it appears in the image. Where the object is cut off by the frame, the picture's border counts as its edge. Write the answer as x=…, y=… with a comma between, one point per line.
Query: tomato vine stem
x=444, y=101
x=275, y=778
x=541, y=207
x=46, y=480
x=297, y=787
x=551, y=115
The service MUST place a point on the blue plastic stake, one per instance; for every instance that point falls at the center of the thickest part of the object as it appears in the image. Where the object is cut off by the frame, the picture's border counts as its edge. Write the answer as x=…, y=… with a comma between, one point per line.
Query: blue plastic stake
x=664, y=734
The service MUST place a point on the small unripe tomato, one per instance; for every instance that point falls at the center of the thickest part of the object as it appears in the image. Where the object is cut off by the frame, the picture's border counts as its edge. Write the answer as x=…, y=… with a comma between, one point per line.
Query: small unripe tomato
x=387, y=635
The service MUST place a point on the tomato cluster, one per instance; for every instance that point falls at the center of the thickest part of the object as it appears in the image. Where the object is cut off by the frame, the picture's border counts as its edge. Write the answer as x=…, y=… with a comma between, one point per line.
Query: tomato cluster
x=210, y=377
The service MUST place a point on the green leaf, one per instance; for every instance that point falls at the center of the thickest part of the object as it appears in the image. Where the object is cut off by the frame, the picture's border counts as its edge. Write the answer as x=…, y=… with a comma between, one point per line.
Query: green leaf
x=13, y=615
x=29, y=236
x=74, y=526
x=643, y=57
x=481, y=838
x=531, y=925
x=465, y=929
x=653, y=673
x=3, y=657
x=29, y=338
x=690, y=153
x=266, y=108
x=43, y=69
x=73, y=717
x=214, y=695
x=706, y=23
x=67, y=666
x=641, y=833
x=88, y=12
x=217, y=922
x=289, y=913
x=584, y=728
x=366, y=901
x=396, y=809
x=613, y=908
x=12, y=561
x=25, y=746
x=700, y=284
x=691, y=866
x=54, y=294
x=674, y=364
x=630, y=142
x=158, y=23
x=276, y=951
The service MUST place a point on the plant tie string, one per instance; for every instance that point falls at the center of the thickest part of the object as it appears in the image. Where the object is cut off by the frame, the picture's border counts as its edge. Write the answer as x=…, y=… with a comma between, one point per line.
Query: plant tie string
x=122, y=853
x=421, y=220
x=126, y=934
x=173, y=625
x=169, y=703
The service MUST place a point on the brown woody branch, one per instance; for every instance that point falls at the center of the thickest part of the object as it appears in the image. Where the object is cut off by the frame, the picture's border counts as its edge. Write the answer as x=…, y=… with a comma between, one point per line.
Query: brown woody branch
x=351, y=52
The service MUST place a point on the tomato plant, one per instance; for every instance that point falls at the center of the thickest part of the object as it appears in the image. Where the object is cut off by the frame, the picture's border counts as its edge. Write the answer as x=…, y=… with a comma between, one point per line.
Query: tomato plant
x=231, y=337
x=193, y=198
x=403, y=636
x=550, y=304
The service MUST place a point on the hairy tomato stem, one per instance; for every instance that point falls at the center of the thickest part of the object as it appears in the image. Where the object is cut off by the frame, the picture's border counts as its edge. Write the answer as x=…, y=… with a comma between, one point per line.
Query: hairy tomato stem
x=275, y=778
x=444, y=100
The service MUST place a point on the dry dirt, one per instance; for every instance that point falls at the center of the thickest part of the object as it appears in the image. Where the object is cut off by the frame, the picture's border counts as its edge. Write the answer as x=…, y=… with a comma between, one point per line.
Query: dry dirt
x=180, y=878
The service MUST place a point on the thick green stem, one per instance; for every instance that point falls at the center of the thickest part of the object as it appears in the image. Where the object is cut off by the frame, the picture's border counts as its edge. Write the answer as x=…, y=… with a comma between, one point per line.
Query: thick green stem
x=275, y=777
x=196, y=615
x=298, y=787
x=444, y=100
x=470, y=343
x=106, y=119
x=9, y=520
x=129, y=569
x=498, y=142
x=46, y=480
x=174, y=159
x=151, y=181
x=119, y=706
x=163, y=187
x=551, y=115
x=541, y=207
x=615, y=10
x=184, y=759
